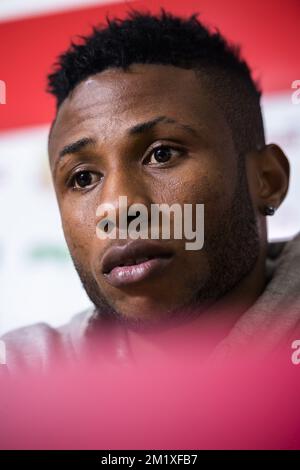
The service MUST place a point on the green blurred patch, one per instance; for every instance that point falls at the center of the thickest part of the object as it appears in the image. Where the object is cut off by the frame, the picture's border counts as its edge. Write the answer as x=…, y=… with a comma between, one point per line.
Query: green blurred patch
x=49, y=252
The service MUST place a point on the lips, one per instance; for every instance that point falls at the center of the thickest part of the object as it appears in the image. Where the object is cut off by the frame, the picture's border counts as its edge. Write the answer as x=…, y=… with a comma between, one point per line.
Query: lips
x=134, y=262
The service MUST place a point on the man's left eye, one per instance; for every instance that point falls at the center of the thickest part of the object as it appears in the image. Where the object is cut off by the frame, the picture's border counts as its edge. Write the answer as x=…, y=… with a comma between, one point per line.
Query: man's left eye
x=163, y=155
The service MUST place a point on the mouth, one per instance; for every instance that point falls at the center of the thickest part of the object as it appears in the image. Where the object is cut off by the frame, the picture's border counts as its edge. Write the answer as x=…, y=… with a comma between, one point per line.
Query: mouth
x=134, y=262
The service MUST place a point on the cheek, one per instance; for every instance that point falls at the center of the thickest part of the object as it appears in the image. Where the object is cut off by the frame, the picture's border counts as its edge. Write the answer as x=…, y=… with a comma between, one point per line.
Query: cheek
x=79, y=230
x=207, y=186
x=192, y=187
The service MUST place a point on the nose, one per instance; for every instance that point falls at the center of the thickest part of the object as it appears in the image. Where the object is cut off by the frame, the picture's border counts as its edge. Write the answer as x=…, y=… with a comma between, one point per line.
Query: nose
x=123, y=189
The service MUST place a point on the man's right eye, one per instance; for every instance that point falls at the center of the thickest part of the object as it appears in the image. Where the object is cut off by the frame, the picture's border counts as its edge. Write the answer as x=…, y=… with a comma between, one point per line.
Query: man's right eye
x=83, y=179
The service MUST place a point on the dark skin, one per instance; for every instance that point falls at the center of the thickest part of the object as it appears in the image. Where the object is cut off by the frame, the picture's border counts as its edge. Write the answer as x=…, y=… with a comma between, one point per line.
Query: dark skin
x=228, y=273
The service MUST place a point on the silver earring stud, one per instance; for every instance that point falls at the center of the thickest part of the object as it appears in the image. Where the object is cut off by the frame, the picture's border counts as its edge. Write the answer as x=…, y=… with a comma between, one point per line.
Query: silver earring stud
x=269, y=210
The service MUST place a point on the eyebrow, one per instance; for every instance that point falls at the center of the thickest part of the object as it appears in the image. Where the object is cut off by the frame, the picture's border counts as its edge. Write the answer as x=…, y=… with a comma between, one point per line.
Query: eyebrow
x=77, y=146
x=145, y=126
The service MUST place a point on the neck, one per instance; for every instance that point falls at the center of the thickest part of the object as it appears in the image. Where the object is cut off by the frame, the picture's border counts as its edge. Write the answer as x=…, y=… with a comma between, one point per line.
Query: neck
x=204, y=331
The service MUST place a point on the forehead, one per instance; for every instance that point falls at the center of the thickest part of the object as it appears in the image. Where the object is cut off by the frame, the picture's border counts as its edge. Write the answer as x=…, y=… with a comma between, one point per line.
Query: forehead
x=111, y=101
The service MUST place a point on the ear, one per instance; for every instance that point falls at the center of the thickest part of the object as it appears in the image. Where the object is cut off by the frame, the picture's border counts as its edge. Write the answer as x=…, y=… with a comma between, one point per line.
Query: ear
x=269, y=173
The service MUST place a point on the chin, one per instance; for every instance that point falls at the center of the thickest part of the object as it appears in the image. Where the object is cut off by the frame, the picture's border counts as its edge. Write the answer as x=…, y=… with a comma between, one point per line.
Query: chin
x=148, y=313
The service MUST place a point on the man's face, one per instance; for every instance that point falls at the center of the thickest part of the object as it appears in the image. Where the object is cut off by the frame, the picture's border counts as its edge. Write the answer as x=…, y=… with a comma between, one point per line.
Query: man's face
x=197, y=165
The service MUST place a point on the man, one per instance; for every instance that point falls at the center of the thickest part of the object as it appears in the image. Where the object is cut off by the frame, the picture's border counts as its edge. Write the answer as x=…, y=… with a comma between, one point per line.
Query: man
x=159, y=110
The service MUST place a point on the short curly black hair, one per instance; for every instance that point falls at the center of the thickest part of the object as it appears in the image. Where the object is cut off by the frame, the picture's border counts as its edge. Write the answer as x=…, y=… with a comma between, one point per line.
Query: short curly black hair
x=145, y=38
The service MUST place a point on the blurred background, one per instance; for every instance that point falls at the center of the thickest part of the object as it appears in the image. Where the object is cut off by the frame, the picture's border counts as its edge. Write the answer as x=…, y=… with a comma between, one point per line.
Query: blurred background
x=37, y=278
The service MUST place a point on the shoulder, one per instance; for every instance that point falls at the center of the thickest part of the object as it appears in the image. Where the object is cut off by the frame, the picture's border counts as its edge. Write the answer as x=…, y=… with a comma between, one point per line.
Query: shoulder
x=38, y=346
x=31, y=346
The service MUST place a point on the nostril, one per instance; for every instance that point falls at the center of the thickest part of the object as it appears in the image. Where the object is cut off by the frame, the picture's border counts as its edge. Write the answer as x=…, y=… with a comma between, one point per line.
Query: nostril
x=130, y=218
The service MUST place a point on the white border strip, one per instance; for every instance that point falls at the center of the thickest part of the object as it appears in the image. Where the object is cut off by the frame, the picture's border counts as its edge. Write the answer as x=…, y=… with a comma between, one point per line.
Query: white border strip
x=16, y=9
